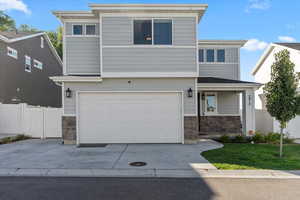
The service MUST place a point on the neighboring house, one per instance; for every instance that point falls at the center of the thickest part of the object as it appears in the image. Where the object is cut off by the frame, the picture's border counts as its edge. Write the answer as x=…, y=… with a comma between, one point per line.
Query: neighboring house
x=136, y=73
x=27, y=60
x=262, y=74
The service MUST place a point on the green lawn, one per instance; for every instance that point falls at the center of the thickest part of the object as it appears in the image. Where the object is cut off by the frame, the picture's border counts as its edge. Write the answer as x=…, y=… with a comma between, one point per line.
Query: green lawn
x=255, y=156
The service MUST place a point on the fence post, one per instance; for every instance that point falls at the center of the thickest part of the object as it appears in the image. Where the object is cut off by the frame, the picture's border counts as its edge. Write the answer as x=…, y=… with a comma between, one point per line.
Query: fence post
x=22, y=117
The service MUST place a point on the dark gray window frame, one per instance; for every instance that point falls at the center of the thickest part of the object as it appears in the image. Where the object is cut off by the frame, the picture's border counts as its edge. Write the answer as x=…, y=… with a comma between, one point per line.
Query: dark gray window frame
x=152, y=29
x=217, y=56
x=207, y=54
x=82, y=29
x=85, y=27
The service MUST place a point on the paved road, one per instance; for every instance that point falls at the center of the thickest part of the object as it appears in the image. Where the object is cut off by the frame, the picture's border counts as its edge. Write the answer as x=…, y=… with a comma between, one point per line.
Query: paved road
x=27, y=188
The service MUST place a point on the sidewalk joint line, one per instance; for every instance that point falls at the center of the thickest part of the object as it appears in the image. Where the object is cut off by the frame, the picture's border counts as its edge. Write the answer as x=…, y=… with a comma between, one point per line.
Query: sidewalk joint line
x=119, y=158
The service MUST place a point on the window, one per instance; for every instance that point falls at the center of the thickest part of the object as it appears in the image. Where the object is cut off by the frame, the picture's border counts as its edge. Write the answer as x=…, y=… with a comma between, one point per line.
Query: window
x=221, y=55
x=142, y=31
x=37, y=64
x=163, y=31
x=201, y=55
x=90, y=29
x=42, y=42
x=27, y=64
x=210, y=55
x=77, y=30
x=12, y=52
x=211, y=103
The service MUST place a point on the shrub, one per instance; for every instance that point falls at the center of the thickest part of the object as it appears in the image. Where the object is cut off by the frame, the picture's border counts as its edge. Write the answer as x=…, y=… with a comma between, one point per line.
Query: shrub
x=272, y=138
x=225, y=139
x=240, y=139
x=11, y=139
x=259, y=137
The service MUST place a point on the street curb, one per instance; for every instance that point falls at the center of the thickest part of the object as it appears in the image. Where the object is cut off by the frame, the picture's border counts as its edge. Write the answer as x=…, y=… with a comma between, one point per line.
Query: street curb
x=152, y=173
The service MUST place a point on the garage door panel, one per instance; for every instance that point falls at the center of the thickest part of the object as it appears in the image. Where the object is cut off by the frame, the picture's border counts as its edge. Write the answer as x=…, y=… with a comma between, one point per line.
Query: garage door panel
x=130, y=117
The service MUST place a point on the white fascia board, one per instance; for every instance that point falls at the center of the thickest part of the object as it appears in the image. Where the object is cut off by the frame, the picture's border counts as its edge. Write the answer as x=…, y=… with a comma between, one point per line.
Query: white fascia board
x=263, y=58
x=228, y=85
x=238, y=43
x=76, y=78
x=190, y=7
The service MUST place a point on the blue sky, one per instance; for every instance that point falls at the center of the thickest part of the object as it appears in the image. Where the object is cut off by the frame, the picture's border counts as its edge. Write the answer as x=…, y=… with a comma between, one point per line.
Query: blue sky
x=260, y=21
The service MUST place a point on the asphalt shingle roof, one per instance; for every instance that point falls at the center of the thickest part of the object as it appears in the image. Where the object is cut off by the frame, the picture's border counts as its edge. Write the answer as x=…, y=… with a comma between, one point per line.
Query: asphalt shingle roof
x=220, y=80
x=14, y=34
x=290, y=45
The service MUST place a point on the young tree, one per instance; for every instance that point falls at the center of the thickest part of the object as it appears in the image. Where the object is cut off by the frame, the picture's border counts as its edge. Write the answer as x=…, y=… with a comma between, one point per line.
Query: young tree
x=282, y=100
x=56, y=39
x=6, y=22
x=27, y=28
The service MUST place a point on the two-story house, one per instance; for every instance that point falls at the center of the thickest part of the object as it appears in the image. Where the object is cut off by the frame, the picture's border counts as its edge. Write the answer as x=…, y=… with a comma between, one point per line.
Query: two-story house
x=136, y=73
x=27, y=60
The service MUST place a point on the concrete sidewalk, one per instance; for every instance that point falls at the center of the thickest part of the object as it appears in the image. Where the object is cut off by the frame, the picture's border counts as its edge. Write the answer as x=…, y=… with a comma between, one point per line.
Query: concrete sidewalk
x=144, y=173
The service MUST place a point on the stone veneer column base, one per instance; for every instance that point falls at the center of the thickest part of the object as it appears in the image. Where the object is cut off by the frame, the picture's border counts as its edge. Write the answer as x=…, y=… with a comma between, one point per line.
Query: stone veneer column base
x=69, y=129
x=191, y=127
x=220, y=125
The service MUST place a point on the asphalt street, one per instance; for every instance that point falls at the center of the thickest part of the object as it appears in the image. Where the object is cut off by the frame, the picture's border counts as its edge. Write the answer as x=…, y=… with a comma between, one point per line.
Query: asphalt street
x=52, y=188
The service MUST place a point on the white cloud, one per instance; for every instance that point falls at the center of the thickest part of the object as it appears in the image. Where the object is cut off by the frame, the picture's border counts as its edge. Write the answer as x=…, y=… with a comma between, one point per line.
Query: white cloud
x=254, y=45
x=286, y=39
x=258, y=5
x=14, y=5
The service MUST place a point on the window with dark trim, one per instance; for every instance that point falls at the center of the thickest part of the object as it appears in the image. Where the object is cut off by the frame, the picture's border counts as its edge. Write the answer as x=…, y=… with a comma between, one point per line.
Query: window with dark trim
x=90, y=29
x=77, y=29
x=210, y=55
x=221, y=55
x=163, y=31
x=142, y=31
x=201, y=55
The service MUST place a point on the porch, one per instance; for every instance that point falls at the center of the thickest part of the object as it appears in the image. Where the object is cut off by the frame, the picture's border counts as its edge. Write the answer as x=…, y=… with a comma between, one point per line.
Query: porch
x=225, y=106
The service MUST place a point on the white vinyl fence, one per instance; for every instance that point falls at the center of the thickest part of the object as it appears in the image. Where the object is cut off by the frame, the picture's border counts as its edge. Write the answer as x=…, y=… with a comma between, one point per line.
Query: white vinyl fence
x=38, y=122
x=265, y=123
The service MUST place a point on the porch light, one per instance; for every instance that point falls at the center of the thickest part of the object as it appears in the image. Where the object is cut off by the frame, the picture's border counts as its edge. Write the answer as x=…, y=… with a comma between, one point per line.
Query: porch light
x=190, y=92
x=68, y=93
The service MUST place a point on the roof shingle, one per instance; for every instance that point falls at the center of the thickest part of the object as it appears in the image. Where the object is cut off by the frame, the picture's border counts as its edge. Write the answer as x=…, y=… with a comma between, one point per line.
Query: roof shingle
x=290, y=45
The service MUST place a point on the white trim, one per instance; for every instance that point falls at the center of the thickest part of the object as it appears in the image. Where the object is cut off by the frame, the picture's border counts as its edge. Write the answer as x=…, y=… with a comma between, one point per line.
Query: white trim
x=80, y=20
x=150, y=46
x=263, y=57
x=39, y=63
x=190, y=115
x=80, y=91
x=63, y=97
x=64, y=50
x=197, y=47
x=76, y=79
x=42, y=42
x=148, y=74
x=196, y=96
x=27, y=58
x=138, y=14
x=69, y=115
x=207, y=113
x=218, y=63
x=219, y=46
x=53, y=49
x=239, y=43
x=14, y=52
x=82, y=36
x=227, y=85
x=101, y=45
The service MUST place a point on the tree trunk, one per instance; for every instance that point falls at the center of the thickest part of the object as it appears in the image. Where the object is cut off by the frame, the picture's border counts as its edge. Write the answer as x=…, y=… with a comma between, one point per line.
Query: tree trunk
x=281, y=141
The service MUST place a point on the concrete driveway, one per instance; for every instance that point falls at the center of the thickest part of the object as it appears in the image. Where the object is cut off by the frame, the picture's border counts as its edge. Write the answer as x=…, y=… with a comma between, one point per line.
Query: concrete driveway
x=51, y=154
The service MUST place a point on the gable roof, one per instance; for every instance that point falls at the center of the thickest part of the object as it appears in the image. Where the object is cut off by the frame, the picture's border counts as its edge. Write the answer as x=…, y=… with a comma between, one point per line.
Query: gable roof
x=293, y=46
x=13, y=36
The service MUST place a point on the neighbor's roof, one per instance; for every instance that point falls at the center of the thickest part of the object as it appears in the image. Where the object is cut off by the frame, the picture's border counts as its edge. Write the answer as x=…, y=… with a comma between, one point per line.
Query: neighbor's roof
x=222, y=42
x=13, y=36
x=221, y=80
x=295, y=46
x=192, y=8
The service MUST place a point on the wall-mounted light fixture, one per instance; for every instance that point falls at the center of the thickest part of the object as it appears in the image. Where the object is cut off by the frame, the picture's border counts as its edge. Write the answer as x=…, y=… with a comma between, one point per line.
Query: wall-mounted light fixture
x=68, y=93
x=190, y=92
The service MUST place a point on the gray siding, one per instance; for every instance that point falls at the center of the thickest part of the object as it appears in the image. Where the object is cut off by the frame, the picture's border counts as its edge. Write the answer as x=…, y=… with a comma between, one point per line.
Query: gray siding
x=229, y=69
x=119, y=31
x=35, y=87
x=228, y=103
x=69, y=27
x=82, y=55
x=149, y=60
x=171, y=84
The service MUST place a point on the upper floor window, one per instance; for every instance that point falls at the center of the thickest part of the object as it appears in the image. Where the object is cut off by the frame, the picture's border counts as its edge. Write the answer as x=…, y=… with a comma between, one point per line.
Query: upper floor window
x=27, y=64
x=161, y=28
x=210, y=55
x=77, y=29
x=90, y=29
x=142, y=32
x=201, y=55
x=12, y=52
x=42, y=42
x=163, y=31
x=37, y=64
x=221, y=55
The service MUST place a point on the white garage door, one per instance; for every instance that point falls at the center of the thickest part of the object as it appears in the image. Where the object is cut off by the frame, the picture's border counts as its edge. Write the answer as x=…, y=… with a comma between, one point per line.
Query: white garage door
x=129, y=117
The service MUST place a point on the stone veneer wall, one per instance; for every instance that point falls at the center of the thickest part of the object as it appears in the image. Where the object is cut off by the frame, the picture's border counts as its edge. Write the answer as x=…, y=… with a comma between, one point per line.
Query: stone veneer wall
x=69, y=129
x=220, y=125
x=191, y=127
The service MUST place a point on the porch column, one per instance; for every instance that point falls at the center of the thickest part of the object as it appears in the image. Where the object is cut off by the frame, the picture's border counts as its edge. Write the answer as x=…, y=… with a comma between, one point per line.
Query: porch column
x=248, y=111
